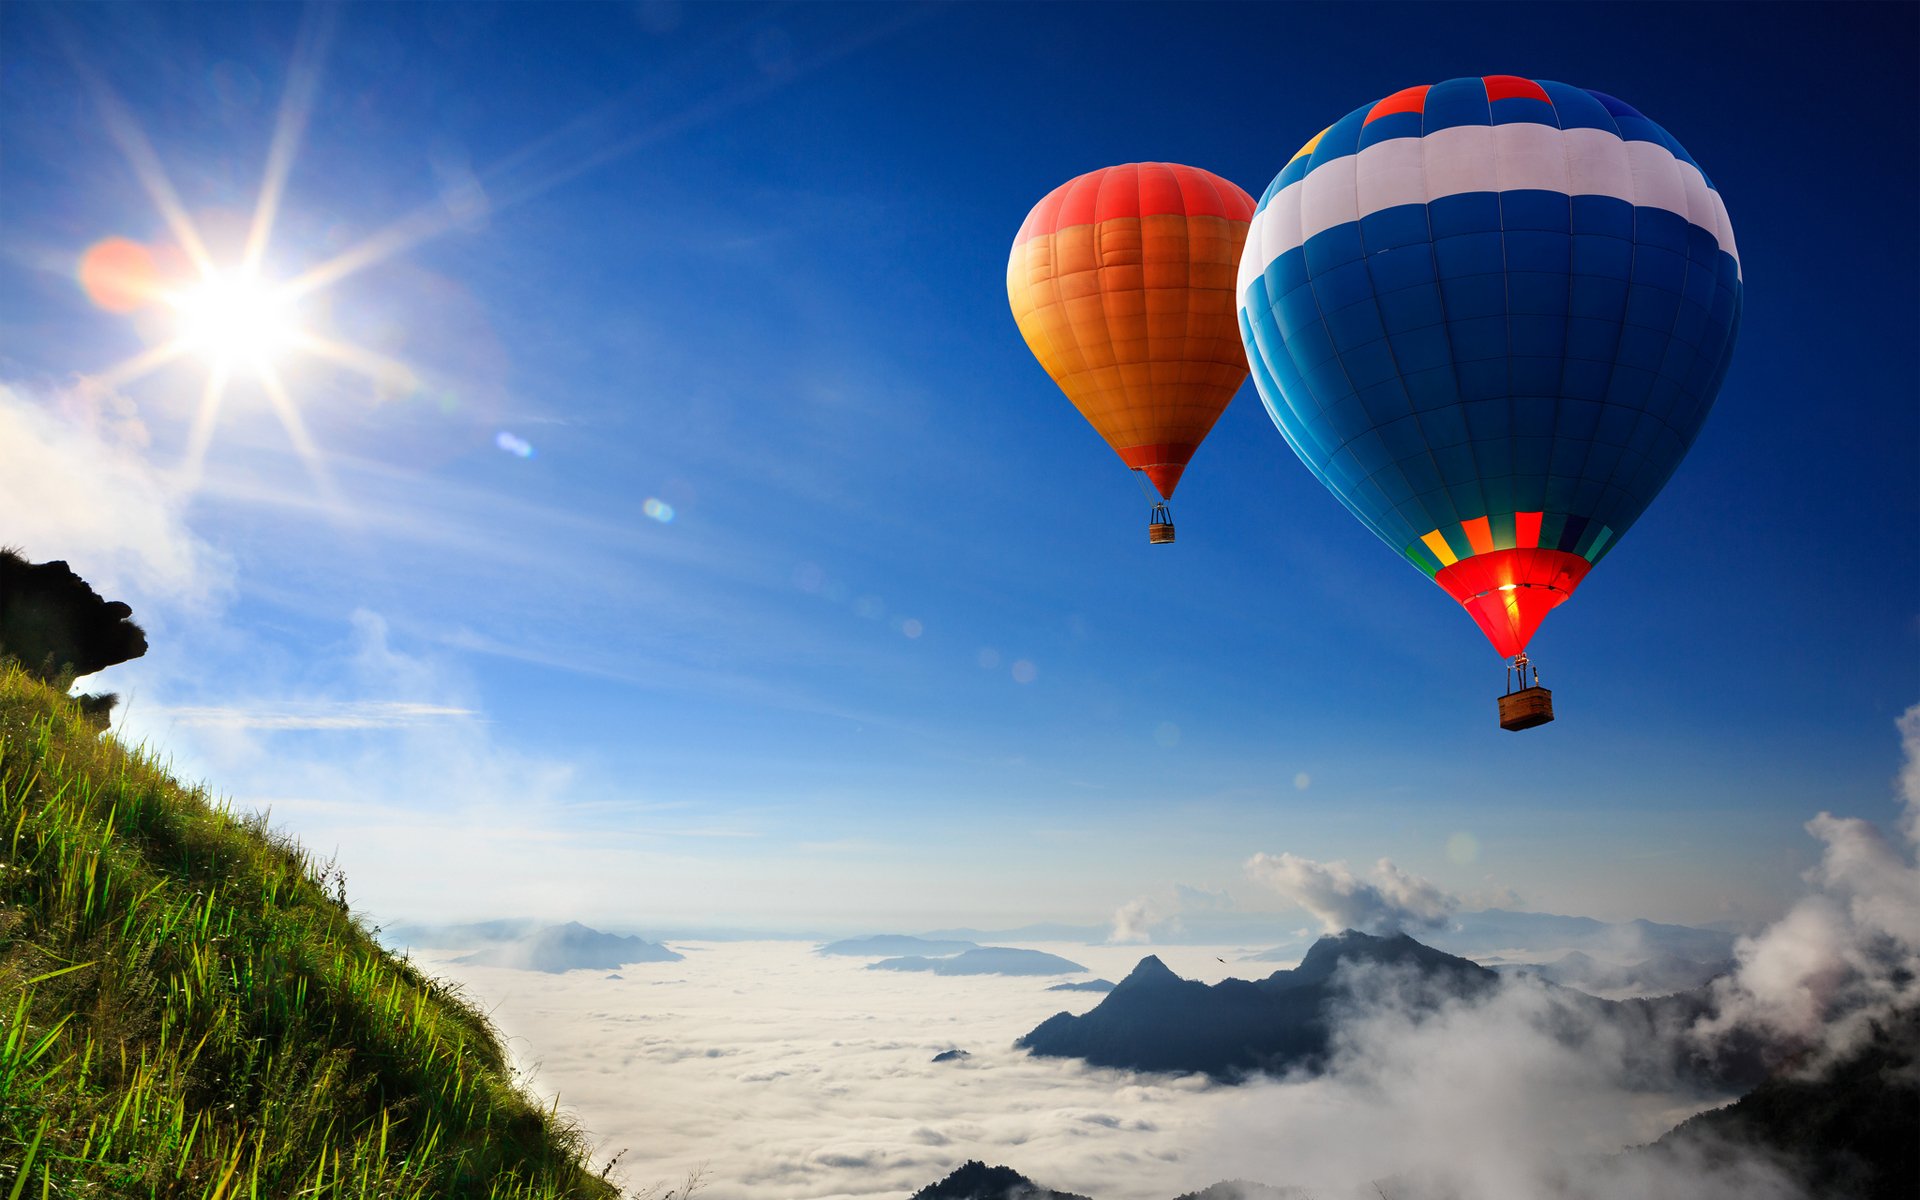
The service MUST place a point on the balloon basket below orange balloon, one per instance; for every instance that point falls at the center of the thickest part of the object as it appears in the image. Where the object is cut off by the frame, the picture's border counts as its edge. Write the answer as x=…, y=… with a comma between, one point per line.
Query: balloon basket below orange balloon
x=1526, y=708
x=1160, y=526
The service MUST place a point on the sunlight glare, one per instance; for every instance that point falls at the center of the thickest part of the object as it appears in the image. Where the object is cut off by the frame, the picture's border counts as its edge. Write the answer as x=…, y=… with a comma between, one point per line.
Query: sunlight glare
x=235, y=316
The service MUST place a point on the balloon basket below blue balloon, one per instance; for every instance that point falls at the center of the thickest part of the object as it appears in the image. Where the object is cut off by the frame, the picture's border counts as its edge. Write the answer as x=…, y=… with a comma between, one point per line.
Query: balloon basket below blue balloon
x=1526, y=708
x=1525, y=704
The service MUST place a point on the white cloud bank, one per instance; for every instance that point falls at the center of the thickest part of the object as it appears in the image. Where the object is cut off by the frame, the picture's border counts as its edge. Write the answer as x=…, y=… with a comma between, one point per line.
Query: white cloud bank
x=788, y=1074
x=1393, y=902
x=1849, y=951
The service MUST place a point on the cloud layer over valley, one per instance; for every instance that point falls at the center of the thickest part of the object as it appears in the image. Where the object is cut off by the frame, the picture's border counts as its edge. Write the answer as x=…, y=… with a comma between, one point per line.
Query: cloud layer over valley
x=786, y=1073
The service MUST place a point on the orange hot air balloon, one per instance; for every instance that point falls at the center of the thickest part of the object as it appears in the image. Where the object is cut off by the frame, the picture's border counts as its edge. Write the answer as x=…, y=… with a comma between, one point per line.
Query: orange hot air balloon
x=1122, y=282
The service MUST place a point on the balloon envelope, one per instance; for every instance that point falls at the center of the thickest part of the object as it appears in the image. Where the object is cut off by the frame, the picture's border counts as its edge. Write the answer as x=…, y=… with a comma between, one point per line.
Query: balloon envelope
x=1491, y=315
x=1122, y=284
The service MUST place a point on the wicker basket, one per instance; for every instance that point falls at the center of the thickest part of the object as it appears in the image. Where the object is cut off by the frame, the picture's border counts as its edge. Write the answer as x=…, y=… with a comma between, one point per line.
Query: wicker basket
x=1160, y=533
x=1526, y=708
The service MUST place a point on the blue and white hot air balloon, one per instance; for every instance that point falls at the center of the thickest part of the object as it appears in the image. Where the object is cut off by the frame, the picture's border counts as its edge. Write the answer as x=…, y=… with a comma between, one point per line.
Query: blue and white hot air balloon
x=1491, y=315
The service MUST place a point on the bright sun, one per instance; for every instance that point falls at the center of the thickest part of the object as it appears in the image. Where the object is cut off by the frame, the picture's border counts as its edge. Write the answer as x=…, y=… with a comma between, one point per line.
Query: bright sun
x=235, y=317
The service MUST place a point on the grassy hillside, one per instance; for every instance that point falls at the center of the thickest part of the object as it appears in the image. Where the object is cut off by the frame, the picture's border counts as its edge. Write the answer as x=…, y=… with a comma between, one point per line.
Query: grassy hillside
x=185, y=1010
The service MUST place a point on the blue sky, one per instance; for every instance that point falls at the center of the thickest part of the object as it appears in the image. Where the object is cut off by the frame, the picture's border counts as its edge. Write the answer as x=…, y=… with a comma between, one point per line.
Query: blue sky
x=747, y=262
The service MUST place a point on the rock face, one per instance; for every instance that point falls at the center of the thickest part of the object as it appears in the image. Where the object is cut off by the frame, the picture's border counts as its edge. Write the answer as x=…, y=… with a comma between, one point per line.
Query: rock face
x=975, y=1180
x=571, y=947
x=51, y=621
x=1153, y=1020
x=987, y=960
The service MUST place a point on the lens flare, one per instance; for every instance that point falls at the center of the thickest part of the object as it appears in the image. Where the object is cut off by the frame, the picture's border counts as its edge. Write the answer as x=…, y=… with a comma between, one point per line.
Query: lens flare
x=119, y=275
x=658, y=510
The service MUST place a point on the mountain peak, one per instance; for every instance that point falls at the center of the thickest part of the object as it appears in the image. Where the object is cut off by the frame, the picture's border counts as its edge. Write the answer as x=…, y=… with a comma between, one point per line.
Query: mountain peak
x=1148, y=972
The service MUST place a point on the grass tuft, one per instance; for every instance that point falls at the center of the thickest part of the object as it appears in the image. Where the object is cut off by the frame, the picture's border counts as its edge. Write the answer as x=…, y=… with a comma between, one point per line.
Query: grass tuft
x=186, y=1009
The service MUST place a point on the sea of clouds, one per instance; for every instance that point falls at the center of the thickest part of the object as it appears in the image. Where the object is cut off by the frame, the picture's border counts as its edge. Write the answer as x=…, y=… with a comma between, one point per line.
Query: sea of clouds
x=785, y=1073
x=779, y=1072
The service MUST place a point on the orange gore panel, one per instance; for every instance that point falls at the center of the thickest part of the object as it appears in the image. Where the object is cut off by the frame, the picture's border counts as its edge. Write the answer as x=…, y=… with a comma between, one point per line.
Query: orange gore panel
x=1130, y=305
x=1509, y=592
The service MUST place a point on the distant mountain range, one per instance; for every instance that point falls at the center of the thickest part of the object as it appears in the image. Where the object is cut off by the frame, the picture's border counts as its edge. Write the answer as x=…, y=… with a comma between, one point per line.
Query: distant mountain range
x=570, y=947
x=985, y=960
x=1662, y=974
x=1153, y=1020
x=887, y=945
x=1086, y=985
x=1497, y=932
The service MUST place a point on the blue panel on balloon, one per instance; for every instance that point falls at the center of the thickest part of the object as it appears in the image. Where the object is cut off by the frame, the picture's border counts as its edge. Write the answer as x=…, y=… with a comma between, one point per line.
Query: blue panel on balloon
x=1471, y=296
x=1346, y=284
x=1606, y=216
x=1532, y=209
x=1410, y=309
x=1536, y=250
x=1355, y=325
x=1406, y=267
x=1420, y=350
x=1456, y=102
x=1373, y=364
x=1332, y=247
x=1401, y=225
x=1537, y=292
x=1469, y=212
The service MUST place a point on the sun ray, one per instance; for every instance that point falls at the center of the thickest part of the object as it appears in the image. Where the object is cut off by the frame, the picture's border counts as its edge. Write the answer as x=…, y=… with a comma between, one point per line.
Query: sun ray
x=290, y=126
x=140, y=365
x=422, y=224
x=371, y=363
x=201, y=435
x=303, y=443
x=140, y=156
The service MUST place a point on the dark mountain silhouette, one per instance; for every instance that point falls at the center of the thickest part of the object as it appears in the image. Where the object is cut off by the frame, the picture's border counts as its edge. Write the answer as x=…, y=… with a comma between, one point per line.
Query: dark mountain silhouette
x=1153, y=1020
x=888, y=945
x=1085, y=985
x=950, y=1056
x=570, y=947
x=1852, y=1132
x=987, y=960
x=975, y=1180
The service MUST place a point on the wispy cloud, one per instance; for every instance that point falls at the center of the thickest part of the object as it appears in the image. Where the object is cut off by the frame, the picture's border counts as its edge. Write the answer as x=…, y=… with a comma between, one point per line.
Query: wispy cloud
x=75, y=484
x=313, y=715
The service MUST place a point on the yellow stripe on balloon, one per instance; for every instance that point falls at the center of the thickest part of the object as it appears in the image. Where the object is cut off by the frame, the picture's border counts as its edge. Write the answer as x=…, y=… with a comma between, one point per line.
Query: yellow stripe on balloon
x=1310, y=147
x=1435, y=542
